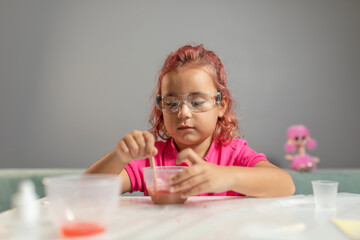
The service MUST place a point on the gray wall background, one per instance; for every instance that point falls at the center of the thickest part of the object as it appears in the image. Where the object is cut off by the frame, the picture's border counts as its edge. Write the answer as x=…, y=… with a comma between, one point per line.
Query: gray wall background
x=75, y=76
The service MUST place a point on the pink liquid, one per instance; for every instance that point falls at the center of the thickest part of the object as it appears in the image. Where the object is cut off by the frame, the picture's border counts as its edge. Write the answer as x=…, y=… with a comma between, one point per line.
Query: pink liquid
x=81, y=229
x=166, y=197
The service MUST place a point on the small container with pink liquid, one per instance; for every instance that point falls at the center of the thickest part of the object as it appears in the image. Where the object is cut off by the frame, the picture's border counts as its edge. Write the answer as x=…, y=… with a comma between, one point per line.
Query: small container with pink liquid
x=158, y=187
x=82, y=205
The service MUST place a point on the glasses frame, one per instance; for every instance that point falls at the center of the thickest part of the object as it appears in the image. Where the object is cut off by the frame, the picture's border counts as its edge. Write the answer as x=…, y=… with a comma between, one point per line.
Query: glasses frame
x=183, y=98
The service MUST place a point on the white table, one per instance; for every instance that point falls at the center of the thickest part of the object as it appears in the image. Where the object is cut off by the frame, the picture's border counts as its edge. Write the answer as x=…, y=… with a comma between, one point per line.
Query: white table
x=216, y=218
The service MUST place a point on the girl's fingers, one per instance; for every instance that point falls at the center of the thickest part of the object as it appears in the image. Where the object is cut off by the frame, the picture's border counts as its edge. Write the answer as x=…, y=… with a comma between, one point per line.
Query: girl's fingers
x=190, y=155
x=138, y=144
x=140, y=141
x=132, y=145
x=187, y=173
x=122, y=147
x=198, y=189
x=150, y=144
x=188, y=184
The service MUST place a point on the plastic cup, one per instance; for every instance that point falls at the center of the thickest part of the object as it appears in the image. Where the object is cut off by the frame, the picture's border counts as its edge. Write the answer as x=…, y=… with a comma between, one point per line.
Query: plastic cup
x=325, y=193
x=82, y=205
x=160, y=193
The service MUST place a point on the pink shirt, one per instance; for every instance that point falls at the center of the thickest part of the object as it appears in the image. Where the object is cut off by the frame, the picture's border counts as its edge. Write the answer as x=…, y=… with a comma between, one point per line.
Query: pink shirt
x=236, y=153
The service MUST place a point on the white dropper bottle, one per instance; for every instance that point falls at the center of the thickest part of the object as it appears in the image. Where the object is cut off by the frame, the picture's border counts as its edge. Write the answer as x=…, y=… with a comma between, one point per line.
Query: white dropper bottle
x=27, y=212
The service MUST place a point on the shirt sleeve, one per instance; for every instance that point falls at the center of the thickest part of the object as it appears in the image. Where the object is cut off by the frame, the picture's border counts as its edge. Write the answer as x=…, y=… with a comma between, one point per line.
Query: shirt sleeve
x=135, y=169
x=135, y=172
x=248, y=157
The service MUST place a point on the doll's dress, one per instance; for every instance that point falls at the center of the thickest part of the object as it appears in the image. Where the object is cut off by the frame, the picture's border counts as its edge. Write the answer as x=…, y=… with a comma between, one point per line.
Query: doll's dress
x=303, y=163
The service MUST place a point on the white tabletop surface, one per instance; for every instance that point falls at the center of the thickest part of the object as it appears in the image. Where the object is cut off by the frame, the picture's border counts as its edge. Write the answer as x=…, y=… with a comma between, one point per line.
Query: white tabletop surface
x=293, y=217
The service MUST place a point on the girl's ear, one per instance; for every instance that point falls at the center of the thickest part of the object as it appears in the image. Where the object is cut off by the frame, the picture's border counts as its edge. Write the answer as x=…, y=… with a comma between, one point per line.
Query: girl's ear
x=222, y=106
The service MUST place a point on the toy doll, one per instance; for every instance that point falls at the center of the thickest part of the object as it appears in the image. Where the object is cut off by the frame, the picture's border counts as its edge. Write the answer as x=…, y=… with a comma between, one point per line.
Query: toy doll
x=298, y=137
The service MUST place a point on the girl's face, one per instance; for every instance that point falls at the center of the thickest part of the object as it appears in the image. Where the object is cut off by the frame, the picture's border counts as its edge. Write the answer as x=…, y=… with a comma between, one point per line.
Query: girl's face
x=187, y=128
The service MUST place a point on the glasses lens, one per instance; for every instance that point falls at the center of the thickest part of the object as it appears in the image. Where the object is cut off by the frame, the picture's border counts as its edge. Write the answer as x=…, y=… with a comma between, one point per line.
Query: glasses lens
x=200, y=102
x=171, y=103
x=196, y=102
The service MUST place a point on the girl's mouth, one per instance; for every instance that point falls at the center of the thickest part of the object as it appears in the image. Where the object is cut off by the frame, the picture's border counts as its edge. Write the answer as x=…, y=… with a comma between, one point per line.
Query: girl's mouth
x=185, y=127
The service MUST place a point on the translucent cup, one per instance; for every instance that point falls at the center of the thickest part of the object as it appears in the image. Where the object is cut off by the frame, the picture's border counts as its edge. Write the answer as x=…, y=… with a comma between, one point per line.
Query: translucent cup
x=159, y=187
x=325, y=193
x=82, y=205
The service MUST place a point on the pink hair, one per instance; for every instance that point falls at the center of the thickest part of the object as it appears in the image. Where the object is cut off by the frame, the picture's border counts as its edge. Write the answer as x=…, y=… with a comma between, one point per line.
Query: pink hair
x=289, y=148
x=198, y=57
x=298, y=131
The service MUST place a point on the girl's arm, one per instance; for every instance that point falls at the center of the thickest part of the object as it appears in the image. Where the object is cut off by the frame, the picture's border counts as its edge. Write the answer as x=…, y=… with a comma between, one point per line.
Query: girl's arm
x=111, y=164
x=134, y=145
x=262, y=180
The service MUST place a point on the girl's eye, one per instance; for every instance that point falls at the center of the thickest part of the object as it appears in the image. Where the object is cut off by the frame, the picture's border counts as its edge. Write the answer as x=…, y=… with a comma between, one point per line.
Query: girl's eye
x=303, y=138
x=170, y=104
x=296, y=138
x=197, y=103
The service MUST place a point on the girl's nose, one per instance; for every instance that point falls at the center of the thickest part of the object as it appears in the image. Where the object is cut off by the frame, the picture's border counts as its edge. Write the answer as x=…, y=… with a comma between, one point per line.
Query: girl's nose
x=184, y=111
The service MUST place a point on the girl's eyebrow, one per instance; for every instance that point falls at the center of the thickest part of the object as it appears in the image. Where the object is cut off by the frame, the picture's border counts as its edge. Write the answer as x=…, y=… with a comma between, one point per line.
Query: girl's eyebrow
x=170, y=94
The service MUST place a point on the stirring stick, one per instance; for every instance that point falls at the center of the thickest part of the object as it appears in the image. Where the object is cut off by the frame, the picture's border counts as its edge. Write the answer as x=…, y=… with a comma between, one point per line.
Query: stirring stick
x=152, y=164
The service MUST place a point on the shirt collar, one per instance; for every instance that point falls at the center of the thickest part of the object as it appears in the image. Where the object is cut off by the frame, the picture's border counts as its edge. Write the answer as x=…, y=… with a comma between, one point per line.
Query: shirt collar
x=210, y=152
x=170, y=153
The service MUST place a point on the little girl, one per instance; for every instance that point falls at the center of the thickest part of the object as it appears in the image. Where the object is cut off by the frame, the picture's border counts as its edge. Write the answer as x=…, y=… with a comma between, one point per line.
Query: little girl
x=194, y=114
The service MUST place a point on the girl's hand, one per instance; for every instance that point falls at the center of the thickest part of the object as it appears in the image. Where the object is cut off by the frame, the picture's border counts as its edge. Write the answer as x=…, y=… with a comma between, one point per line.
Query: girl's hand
x=136, y=145
x=200, y=178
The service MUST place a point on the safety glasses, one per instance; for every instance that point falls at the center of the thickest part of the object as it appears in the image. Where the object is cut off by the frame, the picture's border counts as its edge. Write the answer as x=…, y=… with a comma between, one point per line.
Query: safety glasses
x=195, y=101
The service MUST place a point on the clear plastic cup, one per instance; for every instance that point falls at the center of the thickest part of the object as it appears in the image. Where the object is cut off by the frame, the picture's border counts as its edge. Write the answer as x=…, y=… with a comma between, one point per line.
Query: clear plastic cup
x=82, y=205
x=325, y=193
x=159, y=188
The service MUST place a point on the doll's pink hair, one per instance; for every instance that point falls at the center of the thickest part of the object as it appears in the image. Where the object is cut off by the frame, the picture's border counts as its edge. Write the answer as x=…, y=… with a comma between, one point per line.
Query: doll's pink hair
x=198, y=57
x=298, y=131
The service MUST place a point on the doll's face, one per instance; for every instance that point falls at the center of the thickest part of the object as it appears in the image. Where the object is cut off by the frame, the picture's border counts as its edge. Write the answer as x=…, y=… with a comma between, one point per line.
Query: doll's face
x=300, y=141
